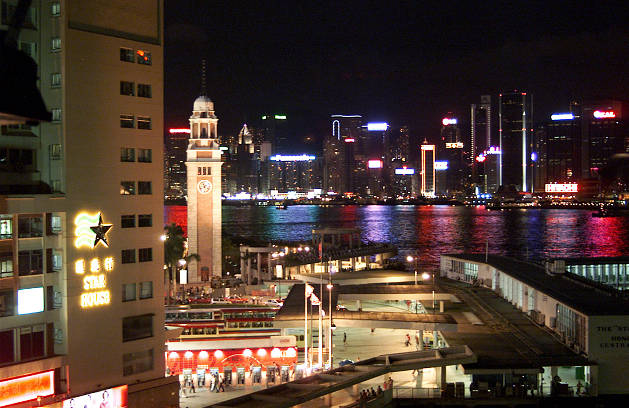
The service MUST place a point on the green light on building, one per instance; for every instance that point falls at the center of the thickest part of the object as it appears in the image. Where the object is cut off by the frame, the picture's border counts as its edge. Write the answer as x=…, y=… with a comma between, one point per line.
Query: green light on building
x=281, y=117
x=264, y=117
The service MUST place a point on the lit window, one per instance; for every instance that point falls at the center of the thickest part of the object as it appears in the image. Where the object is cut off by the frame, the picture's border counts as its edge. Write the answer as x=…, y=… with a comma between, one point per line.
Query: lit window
x=144, y=122
x=126, y=54
x=55, y=151
x=127, y=121
x=146, y=290
x=127, y=88
x=55, y=44
x=127, y=188
x=128, y=292
x=144, y=57
x=6, y=228
x=144, y=91
x=6, y=266
x=127, y=154
x=145, y=155
x=55, y=80
x=55, y=9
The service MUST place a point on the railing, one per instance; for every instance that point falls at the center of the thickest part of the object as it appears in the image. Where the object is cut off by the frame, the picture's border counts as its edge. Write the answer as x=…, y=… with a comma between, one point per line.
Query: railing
x=415, y=392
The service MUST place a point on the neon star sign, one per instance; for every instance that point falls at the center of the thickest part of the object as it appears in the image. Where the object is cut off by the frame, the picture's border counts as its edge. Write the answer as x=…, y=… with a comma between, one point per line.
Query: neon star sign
x=90, y=230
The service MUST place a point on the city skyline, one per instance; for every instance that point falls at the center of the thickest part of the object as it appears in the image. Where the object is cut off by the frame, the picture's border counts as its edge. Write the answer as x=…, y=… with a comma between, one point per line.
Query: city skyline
x=408, y=70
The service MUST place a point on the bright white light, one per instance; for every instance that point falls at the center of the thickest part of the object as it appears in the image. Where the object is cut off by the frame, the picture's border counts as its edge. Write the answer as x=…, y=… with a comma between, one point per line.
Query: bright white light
x=377, y=126
x=457, y=145
x=409, y=259
x=404, y=171
x=441, y=165
x=425, y=276
x=449, y=121
x=562, y=116
x=30, y=300
x=280, y=158
x=493, y=150
x=374, y=164
x=163, y=237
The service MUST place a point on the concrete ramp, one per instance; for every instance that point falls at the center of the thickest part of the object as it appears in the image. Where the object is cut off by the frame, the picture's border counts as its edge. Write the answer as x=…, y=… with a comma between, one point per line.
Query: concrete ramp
x=318, y=385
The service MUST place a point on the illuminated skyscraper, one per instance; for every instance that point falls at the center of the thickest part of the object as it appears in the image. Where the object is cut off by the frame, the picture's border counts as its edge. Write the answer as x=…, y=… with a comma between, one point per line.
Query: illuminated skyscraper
x=427, y=169
x=451, y=150
x=515, y=116
x=480, y=132
x=276, y=130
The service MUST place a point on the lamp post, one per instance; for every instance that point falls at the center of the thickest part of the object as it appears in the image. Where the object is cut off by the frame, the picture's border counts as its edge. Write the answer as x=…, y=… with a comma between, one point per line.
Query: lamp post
x=307, y=292
x=413, y=260
x=330, y=327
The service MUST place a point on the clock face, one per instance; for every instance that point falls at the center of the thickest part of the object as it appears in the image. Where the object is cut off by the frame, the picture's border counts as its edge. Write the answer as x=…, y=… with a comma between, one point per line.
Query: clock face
x=204, y=186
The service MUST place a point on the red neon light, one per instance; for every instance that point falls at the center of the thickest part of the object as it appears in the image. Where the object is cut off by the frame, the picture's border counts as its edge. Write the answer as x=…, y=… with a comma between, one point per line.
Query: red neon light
x=27, y=388
x=562, y=188
x=604, y=114
x=349, y=140
x=480, y=158
x=174, y=130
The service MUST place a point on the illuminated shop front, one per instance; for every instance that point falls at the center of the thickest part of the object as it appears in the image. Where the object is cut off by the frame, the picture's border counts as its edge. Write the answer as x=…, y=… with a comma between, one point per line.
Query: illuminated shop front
x=237, y=366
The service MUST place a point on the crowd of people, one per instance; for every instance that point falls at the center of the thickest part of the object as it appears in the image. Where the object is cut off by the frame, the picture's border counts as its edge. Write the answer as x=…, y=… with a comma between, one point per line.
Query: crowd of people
x=371, y=393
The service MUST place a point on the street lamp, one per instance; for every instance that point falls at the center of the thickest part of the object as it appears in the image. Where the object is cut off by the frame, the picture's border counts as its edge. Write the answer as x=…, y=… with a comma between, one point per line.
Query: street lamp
x=413, y=259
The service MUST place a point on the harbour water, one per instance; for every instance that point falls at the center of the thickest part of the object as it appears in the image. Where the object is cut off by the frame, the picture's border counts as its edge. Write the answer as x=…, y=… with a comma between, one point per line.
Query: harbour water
x=432, y=230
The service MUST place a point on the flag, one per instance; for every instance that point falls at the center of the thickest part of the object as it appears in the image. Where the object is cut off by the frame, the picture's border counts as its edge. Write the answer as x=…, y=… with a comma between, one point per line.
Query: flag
x=309, y=290
x=314, y=300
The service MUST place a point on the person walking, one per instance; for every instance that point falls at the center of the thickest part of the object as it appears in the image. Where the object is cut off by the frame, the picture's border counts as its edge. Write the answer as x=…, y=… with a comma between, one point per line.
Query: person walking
x=344, y=338
x=408, y=340
x=192, y=387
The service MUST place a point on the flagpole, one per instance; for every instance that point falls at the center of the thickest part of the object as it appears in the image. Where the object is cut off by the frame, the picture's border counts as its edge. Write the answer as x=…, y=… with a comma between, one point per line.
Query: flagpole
x=321, y=332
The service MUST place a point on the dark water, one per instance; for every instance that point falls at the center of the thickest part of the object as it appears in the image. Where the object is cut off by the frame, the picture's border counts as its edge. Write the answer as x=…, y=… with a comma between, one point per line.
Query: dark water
x=433, y=230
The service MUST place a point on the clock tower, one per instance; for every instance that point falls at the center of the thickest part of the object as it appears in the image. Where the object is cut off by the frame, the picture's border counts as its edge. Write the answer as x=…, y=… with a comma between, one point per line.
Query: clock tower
x=203, y=166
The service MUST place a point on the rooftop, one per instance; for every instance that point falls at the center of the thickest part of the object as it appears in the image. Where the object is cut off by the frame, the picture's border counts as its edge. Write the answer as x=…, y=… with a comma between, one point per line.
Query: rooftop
x=588, y=299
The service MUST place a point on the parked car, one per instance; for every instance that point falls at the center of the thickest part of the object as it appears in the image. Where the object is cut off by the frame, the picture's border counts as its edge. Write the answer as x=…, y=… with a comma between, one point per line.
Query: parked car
x=274, y=302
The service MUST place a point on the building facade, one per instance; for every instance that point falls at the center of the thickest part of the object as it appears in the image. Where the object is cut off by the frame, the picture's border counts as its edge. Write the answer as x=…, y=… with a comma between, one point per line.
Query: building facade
x=515, y=116
x=82, y=281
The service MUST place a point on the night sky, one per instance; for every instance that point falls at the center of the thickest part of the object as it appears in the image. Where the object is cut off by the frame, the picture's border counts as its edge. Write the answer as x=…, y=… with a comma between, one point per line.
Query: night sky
x=408, y=63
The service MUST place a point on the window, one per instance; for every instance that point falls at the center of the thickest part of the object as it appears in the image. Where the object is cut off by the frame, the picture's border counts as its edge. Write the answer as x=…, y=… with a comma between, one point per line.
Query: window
x=55, y=44
x=144, y=187
x=145, y=254
x=29, y=48
x=31, y=342
x=55, y=9
x=128, y=256
x=55, y=185
x=137, y=327
x=55, y=80
x=127, y=188
x=146, y=290
x=6, y=266
x=127, y=154
x=127, y=88
x=128, y=292
x=145, y=155
x=127, y=221
x=56, y=114
x=144, y=57
x=145, y=220
x=29, y=226
x=7, y=351
x=30, y=262
x=55, y=151
x=57, y=261
x=7, y=303
x=53, y=298
x=127, y=121
x=138, y=362
x=17, y=160
x=144, y=91
x=144, y=122
x=126, y=54
x=6, y=228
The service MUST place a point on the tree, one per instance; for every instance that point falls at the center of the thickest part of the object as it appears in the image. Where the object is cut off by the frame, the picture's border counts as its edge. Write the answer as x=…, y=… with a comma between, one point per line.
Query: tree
x=174, y=251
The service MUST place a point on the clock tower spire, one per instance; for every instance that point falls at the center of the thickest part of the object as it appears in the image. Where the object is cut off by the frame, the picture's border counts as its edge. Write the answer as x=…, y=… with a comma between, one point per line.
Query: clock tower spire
x=203, y=166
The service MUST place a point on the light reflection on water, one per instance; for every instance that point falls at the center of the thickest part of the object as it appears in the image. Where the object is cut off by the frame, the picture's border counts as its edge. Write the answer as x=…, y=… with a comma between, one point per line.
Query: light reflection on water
x=433, y=230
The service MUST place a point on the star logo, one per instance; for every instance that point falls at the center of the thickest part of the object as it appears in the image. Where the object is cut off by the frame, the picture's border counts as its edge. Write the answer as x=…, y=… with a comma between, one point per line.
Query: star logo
x=100, y=230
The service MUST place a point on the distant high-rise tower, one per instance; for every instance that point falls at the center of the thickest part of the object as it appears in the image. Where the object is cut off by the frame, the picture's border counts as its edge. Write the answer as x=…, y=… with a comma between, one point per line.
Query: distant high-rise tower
x=480, y=129
x=428, y=169
x=451, y=150
x=203, y=165
x=515, y=116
